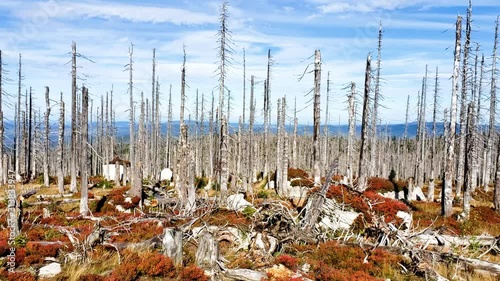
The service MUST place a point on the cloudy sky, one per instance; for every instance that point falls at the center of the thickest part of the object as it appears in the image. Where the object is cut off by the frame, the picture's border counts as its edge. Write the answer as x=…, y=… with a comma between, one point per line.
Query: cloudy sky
x=416, y=33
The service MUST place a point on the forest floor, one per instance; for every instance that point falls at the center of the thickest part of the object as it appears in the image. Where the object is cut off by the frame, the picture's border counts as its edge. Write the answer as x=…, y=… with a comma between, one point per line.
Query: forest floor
x=261, y=241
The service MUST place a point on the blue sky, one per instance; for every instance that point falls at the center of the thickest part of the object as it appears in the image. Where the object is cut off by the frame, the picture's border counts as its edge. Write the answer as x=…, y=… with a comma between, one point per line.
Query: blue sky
x=416, y=33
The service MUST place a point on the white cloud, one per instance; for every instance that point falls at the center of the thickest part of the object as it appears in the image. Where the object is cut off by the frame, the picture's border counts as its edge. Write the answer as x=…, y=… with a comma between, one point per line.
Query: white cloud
x=126, y=12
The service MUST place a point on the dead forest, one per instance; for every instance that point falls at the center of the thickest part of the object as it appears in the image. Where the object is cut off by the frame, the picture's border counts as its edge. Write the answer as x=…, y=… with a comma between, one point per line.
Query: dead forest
x=213, y=201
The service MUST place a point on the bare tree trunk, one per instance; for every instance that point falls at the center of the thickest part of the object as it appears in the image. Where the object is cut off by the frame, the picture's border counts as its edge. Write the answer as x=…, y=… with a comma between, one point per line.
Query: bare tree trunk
x=295, y=127
x=244, y=84
x=326, y=130
x=351, y=138
x=183, y=87
x=84, y=206
x=136, y=181
x=18, y=123
x=29, y=146
x=317, y=108
x=491, y=127
x=251, y=164
x=279, y=169
x=267, y=116
x=73, y=171
x=224, y=174
x=496, y=199
x=447, y=194
x=463, y=103
x=46, y=180
x=364, y=133
x=469, y=154
x=376, y=100
x=60, y=145
x=430, y=190
x=284, y=161
x=168, y=160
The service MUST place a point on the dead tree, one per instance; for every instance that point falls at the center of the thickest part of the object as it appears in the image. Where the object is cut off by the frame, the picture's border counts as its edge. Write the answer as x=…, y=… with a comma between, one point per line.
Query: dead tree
x=496, y=199
x=84, y=201
x=251, y=165
x=136, y=181
x=46, y=180
x=73, y=171
x=491, y=125
x=29, y=142
x=244, y=84
x=351, y=138
x=18, y=123
x=447, y=193
x=463, y=103
x=364, y=130
x=267, y=117
x=376, y=101
x=295, y=127
x=224, y=173
x=326, y=129
x=168, y=159
x=430, y=193
x=317, y=108
x=60, y=148
x=469, y=154
x=183, y=86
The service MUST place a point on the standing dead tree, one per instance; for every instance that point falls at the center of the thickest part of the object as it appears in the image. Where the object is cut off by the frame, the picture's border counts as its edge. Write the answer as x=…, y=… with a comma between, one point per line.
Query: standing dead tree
x=447, y=193
x=351, y=138
x=60, y=148
x=136, y=182
x=491, y=125
x=376, y=100
x=224, y=54
x=73, y=119
x=84, y=201
x=317, y=108
x=364, y=130
x=430, y=193
x=46, y=180
x=463, y=103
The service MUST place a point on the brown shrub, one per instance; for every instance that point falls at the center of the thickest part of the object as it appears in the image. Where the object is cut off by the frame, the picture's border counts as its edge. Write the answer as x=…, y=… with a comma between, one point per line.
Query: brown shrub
x=156, y=265
x=192, y=273
x=295, y=173
x=379, y=185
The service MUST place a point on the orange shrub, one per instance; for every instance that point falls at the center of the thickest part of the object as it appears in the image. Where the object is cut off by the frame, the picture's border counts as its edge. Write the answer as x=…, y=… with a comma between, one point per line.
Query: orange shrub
x=20, y=276
x=379, y=185
x=4, y=247
x=192, y=273
x=156, y=264
x=288, y=261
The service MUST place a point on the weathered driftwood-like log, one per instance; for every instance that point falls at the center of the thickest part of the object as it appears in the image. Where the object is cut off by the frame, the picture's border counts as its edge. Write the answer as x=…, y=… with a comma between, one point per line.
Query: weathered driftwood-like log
x=172, y=244
x=207, y=254
x=244, y=274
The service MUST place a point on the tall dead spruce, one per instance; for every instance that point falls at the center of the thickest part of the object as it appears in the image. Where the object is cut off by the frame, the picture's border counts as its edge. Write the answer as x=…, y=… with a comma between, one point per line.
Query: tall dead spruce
x=447, y=193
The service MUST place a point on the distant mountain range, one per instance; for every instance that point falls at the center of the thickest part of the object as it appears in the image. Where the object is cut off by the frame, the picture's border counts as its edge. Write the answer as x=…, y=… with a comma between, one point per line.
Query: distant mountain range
x=122, y=129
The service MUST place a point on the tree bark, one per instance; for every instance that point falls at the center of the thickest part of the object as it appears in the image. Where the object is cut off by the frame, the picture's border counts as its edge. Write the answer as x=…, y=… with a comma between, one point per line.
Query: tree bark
x=364, y=130
x=84, y=208
x=317, y=108
x=447, y=193
x=46, y=180
x=73, y=171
